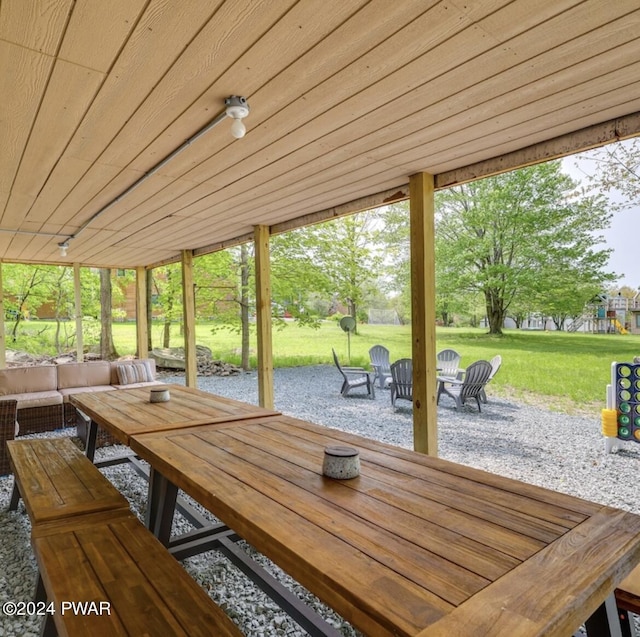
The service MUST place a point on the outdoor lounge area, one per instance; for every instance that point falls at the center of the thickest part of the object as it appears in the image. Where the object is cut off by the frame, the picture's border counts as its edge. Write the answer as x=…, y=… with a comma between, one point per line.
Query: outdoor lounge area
x=140, y=133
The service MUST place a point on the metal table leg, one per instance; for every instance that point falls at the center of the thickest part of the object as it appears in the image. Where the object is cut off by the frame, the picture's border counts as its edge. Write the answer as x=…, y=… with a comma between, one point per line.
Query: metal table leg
x=161, y=504
x=605, y=621
x=92, y=436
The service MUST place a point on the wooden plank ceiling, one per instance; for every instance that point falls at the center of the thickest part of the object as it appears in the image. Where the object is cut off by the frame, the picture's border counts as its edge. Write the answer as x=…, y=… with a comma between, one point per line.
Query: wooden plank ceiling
x=348, y=98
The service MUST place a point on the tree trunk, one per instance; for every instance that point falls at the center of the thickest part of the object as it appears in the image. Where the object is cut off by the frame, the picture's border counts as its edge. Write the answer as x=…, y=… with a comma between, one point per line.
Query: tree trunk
x=166, y=334
x=14, y=331
x=149, y=291
x=107, y=348
x=244, y=306
x=352, y=310
x=495, y=313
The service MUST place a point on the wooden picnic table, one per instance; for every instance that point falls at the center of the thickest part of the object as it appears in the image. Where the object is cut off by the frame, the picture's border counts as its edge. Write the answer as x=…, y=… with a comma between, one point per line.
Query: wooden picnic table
x=127, y=412
x=414, y=546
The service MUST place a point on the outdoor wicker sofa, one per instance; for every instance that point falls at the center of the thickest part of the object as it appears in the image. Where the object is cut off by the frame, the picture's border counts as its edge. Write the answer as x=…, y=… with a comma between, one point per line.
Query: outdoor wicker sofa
x=41, y=393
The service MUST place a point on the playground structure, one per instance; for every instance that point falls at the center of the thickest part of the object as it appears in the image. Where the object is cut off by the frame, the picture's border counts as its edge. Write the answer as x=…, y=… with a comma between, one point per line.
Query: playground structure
x=621, y=416
x=606, y=314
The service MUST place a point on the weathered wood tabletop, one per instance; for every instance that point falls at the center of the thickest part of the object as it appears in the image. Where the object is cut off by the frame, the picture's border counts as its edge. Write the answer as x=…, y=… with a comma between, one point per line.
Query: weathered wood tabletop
x=127, y=412
x=413, y=546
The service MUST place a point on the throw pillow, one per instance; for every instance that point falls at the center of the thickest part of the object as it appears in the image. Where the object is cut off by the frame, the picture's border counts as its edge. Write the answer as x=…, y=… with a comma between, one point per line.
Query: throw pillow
x=130, y=373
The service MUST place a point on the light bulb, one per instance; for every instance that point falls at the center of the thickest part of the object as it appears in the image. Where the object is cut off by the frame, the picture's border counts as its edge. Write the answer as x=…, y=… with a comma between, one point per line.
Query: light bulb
x=238, y=128
x=238, y=109
x=63, y=246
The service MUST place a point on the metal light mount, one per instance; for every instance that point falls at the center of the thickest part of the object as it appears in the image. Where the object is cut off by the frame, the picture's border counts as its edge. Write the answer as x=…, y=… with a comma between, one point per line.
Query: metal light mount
x=237, y=108
x=63, y=246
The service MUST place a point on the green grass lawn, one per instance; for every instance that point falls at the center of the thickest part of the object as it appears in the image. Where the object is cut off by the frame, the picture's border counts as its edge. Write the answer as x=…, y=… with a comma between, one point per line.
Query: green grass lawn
x=572, y=370
x=564, y=370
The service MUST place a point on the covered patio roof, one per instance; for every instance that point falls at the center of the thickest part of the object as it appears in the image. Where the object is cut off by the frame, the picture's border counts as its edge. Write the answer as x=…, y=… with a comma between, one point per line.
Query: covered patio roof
x=348, y=99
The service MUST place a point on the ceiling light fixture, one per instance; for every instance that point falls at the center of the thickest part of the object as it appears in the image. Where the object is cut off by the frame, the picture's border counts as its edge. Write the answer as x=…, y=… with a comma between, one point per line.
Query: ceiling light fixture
x=238, y=109
x=63, y=246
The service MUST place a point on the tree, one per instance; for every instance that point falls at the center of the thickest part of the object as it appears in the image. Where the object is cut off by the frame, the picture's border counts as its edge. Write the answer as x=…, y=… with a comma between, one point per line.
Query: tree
x=167, y=292
x=616, y=168
x=393, y=235
x=25, y=291
x=345, y=251
x=107, y=347
x=298, y=275
x=513, y=234
x=62, y=300
x=245, y=272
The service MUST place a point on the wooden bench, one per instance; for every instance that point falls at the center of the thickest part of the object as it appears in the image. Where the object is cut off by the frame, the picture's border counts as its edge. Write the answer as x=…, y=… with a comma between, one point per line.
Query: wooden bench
x=628, y=600
x=101, y=571
x=56, y=481
x=122, y=580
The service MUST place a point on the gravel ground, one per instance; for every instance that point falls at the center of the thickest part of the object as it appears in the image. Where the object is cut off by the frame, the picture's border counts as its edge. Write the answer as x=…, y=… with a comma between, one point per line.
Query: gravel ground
x=526, y=442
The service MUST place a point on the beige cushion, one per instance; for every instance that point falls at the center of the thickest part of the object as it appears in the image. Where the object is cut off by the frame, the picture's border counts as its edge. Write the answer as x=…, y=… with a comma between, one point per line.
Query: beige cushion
x=134, y=385
x=36, y=399
x=93, y=374
x=70, y=391
x=23, y=380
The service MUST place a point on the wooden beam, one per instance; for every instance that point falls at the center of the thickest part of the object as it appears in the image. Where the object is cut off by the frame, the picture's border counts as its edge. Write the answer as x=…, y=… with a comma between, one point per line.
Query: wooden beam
x=77, y=292
x=142, y=326
x=263, y=317
x=369, y=202
x=563, y=146
x=585, y=139
x=189, y=314
x=3, y=340
x=423, y=316
x=223, y=245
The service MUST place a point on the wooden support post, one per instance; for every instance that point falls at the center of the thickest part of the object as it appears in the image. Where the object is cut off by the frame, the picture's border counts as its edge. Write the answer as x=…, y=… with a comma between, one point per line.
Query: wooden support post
x=142, y=326
x=189, y=314
x=77, y=293
x=263, y=317
x=423, y=315
x=3, y=340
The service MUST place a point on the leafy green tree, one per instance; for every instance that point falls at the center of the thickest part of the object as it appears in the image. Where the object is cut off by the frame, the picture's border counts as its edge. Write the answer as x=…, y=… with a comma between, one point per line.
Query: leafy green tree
x=214, y=277
x=26, y=289
x=167, y=295
x=346, y=252
x=107, y=346
x=297, y=273
x=616, y=169
x=63, y=307
x=511, y=234
x=393, y=236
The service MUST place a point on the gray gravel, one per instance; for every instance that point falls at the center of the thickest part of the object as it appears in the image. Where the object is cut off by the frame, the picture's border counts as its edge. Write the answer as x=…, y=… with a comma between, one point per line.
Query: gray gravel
x=526, y=442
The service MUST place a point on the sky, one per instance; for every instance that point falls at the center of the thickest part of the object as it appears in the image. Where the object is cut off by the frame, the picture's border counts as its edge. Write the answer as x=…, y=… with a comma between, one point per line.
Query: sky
x=623, y=237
